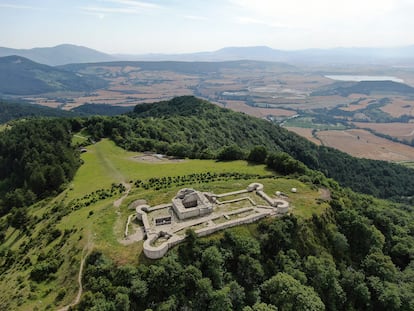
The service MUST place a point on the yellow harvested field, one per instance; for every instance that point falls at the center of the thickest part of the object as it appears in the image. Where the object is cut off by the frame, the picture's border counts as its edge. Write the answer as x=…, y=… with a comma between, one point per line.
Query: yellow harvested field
x=363, y=144
x=399, y=106
x=399, y=130
x=305, y=132
x=361, y=105
x=257, y=112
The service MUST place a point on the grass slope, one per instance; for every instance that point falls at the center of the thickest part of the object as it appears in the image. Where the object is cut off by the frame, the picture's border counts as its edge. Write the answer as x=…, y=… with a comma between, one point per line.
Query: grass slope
x=101, y=224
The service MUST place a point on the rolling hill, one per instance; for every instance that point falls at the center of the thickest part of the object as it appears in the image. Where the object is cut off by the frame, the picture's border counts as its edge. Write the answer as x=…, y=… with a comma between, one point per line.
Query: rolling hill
x=196, y=67
x=59, y=55
x=364, y=87
x=188, y=126
x=10, y=110
x=21, y=76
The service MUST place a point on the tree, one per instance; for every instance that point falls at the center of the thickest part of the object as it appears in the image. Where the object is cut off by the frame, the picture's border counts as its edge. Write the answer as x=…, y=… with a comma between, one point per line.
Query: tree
x=139, y=290
x=236, y=295
x=290, y=263
x=278, y=235
x=221, y=301
x=380, y=265
x=258, y=154
x=323, y=277
x=18, y=218
x=121, y=302
x=212, y=266
x=240, y=245
x=204, y=294
x=355, y=226
x=229, y=153
x=249, y=272
x=189, y=278
x=357, y=291
x=190, y=250
x=261, y=307
x=288, y=294
x=179, y=150
x=284, y=163
x=385, y=295
x=168, y=305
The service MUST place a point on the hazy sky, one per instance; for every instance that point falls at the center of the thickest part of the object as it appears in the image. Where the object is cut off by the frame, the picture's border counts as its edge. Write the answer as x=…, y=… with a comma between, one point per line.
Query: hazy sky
x=175, y=26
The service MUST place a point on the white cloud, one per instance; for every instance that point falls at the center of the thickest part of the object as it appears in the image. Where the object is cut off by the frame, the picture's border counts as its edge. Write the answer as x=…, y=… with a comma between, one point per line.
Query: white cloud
x=195, y=17
x=96, y=14
x=16, y=6
x=111, y=10
x=328, y=23
x=136, y=4
x=119, y=7
x=253, y=21
x=307, y=13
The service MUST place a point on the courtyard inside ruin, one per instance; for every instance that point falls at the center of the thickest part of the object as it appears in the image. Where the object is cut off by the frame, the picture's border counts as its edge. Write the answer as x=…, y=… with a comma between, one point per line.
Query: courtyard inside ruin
x=165, y=225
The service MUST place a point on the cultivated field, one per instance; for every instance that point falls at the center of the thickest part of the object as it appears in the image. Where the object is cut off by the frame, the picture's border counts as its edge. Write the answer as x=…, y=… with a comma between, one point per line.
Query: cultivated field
x=264, y=90
x=305, y=132
x=400, y=106
x=358, y=103
x=257, y=112
x=402, y=131
x=363, y=144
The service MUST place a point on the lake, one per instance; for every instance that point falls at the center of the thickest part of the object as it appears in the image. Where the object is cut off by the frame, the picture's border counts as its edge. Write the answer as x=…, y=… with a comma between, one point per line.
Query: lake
x=358, y=78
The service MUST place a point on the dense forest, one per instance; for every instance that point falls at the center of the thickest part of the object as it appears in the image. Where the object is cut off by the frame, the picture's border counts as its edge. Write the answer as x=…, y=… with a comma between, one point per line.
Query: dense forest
x=189, y=127
x=356, y=256
x=101, y=109
x=36, y=159
x=10, y=110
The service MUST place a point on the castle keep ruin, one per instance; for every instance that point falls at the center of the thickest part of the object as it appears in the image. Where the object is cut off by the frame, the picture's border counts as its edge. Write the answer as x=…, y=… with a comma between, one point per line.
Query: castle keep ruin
x=190, y=203
x=205, y=213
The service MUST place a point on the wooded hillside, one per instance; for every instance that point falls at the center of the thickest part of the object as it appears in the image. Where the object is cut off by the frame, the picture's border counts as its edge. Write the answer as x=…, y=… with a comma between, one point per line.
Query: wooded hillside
x=190, y=127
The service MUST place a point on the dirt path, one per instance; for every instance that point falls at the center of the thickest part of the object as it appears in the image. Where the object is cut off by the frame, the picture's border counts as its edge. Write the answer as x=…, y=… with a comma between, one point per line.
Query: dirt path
x=88, y=248
x=116, y=174
x=107, y=163
x=325, y=194
x=118, y=202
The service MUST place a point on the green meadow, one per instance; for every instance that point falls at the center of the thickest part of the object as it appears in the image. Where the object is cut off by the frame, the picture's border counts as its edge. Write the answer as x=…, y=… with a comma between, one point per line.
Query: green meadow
x=100, y=224
x=105, y=164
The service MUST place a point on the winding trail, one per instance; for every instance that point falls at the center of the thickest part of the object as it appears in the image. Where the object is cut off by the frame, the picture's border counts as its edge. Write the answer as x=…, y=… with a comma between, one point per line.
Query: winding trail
x=118, y=202
x=116, y=174
x=88, y=248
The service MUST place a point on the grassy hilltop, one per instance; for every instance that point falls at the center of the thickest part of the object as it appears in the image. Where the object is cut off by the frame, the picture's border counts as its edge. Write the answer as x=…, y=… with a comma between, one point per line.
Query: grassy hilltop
x=338, y=249
x=61, y=233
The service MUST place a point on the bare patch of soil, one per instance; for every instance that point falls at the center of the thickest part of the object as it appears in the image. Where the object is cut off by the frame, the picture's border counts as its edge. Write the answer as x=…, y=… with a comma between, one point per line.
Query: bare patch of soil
x=155, y=158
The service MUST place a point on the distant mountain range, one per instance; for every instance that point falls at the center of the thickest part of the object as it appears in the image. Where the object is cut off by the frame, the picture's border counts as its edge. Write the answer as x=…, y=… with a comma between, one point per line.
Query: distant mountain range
x=403, y=56
x=21, y=76
x=70, y=54
x=59, y=55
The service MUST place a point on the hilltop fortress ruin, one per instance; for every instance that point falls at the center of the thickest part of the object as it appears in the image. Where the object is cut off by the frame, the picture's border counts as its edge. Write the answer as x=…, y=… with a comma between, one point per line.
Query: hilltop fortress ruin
x=165, y=225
